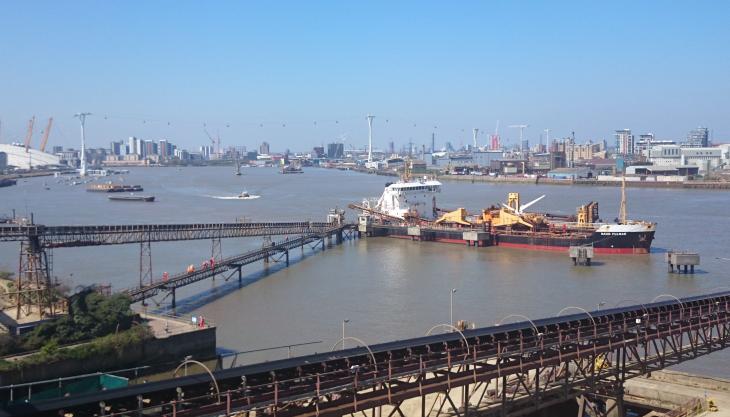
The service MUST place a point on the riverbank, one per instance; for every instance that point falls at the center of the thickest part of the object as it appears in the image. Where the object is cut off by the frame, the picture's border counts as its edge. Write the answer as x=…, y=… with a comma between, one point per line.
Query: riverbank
x=702, y=185
x=33, y=174
x=163, y=339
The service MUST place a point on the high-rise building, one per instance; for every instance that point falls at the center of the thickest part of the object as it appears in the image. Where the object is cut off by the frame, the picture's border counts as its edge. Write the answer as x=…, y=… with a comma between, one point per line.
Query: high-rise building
x=165, y=149
x=118, y=148
x=335, y=150
x=698, y=138
x=264, y=148
x=624, y=142
x=133, y=150
x=206, y=151
x=318, y=152
x=149, y=148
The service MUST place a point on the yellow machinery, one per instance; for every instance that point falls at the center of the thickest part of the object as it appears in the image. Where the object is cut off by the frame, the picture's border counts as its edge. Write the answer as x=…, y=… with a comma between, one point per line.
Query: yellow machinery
x=509, y=215
x=588, y=214
x=457, y=216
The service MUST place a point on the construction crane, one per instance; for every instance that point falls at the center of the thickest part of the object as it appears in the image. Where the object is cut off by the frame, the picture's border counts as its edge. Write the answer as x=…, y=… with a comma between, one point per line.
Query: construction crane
x=522, y=130
x=47, y=132
x=29, y=135
x=216, y=151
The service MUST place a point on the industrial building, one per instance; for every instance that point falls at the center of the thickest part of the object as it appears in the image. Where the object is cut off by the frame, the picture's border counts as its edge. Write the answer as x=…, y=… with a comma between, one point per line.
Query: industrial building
x=674, y=156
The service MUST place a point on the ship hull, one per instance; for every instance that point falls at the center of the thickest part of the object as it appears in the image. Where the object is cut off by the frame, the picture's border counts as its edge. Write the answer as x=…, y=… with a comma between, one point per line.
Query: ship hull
x=610, y=243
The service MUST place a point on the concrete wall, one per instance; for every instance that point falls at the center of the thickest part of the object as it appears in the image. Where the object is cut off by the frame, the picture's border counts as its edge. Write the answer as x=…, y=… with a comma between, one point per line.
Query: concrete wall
x=201, y=344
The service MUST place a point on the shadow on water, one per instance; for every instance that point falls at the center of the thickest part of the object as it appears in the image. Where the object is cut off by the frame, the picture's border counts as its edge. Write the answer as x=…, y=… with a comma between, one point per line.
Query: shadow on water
x=189, y=304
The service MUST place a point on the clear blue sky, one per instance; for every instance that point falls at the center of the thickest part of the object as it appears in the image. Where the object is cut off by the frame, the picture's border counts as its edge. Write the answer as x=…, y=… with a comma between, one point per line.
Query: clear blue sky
x=269, y=71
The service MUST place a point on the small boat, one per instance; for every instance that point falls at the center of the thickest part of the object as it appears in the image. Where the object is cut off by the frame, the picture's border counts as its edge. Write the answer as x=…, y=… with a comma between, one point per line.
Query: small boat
x=131, y=197
x=292, y=169
x=244, y=194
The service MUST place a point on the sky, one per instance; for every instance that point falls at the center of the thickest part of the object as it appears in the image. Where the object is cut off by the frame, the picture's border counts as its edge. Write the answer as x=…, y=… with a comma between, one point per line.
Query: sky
x=300, y=74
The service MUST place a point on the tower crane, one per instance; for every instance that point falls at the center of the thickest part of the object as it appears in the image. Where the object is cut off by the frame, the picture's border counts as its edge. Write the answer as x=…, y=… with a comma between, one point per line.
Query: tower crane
x=522, y=130
x=215, y=150
x=47, y=132
x=29, y=135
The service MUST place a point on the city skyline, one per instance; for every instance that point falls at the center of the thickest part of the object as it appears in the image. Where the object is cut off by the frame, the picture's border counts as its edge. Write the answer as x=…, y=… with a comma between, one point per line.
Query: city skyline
x=305, y=75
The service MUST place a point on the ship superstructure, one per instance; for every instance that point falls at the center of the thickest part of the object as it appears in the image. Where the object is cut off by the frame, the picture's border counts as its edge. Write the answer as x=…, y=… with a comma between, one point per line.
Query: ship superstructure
x=410, y=199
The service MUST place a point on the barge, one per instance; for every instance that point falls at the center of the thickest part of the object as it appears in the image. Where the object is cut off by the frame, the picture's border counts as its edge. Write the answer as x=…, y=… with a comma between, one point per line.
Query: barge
x=113, y=188
x=141, y=198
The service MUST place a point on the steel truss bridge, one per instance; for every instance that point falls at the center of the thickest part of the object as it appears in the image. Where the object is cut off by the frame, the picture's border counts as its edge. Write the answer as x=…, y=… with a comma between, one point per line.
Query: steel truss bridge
x=505, y=370
x=34, y=287
x=75, y=236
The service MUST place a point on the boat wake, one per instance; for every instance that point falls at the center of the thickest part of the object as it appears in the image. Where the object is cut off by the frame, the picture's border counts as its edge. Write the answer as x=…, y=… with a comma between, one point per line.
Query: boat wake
x=234, y=197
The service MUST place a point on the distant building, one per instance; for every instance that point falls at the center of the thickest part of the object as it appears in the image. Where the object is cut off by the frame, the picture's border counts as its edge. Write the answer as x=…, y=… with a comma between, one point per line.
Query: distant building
x=525, y=145
x=557, y=160
x=570, y=173
x=252, y=155
x=117, y=148
x=19, y=157
x=3, y=160
x=206, y=151
x=135, y=146
x=182, y=154
x=318, y=152
x=624, y=142
x=335, y=150
x=675, y=156
x=264, y=148
x=648, y=141
x=484, y=158
x=698, y=138
x=57, y=149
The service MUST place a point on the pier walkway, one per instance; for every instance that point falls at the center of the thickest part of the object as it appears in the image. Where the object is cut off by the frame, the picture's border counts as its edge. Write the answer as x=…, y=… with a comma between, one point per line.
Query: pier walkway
x=234, y=264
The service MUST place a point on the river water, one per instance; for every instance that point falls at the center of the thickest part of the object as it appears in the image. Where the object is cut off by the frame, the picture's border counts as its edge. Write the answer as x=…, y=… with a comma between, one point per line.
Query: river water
x=387, y=288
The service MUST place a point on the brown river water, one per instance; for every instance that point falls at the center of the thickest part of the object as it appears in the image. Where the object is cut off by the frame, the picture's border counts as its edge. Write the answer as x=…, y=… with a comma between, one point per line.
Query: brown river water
x=387, y=288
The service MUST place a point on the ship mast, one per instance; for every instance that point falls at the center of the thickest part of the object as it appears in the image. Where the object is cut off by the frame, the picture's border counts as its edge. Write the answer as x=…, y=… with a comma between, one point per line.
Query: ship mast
x=407, y=170
x=622, y=210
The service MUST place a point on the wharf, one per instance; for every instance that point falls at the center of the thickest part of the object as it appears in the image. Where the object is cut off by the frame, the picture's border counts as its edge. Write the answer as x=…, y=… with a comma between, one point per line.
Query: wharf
x=470, y=237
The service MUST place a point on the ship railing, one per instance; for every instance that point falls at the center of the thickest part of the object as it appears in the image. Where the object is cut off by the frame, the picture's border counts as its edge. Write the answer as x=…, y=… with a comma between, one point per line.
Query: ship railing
x=593, y=225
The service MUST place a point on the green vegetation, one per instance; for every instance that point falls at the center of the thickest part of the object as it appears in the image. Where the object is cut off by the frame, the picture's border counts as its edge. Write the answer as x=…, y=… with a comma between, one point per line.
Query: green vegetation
x=110, y=345
x=90, y=315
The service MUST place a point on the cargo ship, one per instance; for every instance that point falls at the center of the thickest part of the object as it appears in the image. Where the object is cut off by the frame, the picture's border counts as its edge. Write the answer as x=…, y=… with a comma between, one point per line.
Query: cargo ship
x=511, y=226
x=113, y=188
x=413, y=203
